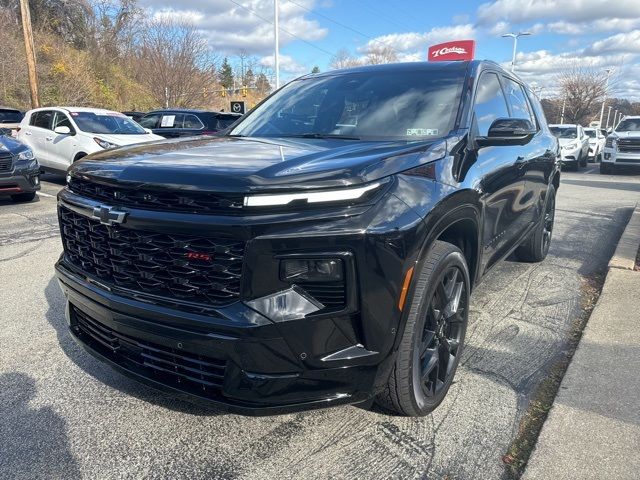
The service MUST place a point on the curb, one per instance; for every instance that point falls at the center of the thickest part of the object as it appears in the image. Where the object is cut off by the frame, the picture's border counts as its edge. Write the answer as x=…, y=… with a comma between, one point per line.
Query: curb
x=627, y=249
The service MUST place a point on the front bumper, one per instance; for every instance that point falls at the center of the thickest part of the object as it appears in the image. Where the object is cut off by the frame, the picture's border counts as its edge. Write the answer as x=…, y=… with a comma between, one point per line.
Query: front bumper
x=261, y=365
x=613, y=156
x=19, y=180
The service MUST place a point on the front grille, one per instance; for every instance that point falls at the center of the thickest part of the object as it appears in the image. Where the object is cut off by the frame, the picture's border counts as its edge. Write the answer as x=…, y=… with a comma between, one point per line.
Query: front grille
x=627, y=160
x=5, y=163
x=166, y=201
x=189, y=372
x=187, y=268
x=331, y=294
x=629, y=145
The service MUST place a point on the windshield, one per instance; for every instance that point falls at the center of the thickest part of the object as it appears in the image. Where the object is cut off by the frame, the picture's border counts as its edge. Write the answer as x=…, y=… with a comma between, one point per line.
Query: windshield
x=375, y=106
x=564, y=132
x=10, y=116
x=590, y=133
x=629, y=125
x=109, y=123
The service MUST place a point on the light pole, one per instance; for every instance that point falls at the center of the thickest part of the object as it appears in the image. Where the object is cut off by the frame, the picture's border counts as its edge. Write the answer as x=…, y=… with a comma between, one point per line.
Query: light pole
x=604, y=96
x=276, y=35
x=608, y=115
x=564, y=103
x=515, y=45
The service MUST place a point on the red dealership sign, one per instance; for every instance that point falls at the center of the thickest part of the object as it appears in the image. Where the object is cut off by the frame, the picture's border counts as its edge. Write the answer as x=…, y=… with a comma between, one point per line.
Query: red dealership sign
x=456, y=50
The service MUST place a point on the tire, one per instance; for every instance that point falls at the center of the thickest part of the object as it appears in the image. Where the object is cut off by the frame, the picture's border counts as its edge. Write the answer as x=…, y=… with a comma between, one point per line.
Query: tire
x=23, y=197
x=433, y=336
x=582, y=160
x=536, y=247
x=599, y=157
x=605, y=168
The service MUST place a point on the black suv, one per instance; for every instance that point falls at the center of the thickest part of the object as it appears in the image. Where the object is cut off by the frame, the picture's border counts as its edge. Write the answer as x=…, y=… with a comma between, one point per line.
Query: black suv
x=187, y=123
x=19, y=169
x=322, y=251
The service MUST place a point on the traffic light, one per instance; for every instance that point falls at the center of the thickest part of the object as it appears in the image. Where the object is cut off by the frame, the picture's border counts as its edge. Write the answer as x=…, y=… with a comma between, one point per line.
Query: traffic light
x=244, y=90
x=224, y=92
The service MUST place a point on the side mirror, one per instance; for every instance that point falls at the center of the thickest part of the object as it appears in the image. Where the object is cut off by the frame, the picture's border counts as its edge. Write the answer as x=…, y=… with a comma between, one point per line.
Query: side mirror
x=508, y=131
x=62, y=130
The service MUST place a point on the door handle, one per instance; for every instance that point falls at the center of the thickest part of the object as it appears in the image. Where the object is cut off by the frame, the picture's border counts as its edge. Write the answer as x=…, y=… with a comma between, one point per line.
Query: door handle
x=48, y=139
x=27, y=133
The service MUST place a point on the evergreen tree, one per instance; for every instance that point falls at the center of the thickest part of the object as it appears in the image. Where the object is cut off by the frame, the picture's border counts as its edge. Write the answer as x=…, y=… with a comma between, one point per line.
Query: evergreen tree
x=249, y=78
x=315, y=69
x=262, y=84
x=226, y=74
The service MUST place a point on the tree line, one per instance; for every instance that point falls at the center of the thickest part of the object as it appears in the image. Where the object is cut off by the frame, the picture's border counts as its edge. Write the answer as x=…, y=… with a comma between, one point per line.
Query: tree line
x=108, y=53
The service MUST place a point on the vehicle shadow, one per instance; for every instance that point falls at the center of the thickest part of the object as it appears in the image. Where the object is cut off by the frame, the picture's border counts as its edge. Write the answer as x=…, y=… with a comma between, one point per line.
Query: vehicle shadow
x=56, y=317
x=34, y=440
x=58, y=179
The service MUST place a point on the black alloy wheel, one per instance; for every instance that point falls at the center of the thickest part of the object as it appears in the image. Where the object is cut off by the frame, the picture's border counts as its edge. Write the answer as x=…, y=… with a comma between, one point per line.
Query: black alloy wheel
x=437, y=354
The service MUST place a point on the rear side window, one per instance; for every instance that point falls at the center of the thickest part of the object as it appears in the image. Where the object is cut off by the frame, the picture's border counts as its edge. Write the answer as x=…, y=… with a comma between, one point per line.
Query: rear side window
x=10, y=116
x=517, y=98
x=42, y=119
x=490, y=103
x=150, y=121
x=191, y=121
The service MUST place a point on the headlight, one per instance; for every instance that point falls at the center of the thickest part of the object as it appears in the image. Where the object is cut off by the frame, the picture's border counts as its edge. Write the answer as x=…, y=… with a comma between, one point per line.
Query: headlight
x=26, y=155
x=570, y=146
x=609, y=143
x=322, y=196
x=104, y=144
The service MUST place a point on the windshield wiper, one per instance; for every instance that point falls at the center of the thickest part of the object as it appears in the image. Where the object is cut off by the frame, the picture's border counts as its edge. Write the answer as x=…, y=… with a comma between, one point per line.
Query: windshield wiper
x=323, y=135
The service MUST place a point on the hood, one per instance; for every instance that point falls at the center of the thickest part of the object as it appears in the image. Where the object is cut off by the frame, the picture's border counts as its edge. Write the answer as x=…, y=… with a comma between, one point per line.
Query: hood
x=567, y=141
x=127, y=139
x=227, y=164
x=626, y=134
x=10, y=144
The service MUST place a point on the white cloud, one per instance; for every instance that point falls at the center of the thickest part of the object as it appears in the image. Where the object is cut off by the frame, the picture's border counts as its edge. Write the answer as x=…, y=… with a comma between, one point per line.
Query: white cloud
x=621, y=43
x=231, y=28
x=288, y=66
x=414, y=44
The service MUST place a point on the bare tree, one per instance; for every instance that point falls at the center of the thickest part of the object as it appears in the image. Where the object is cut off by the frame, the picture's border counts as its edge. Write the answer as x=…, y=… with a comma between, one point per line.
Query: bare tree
x=175, y=62
x=582, y=88
x=378, y=54
x=343, y=59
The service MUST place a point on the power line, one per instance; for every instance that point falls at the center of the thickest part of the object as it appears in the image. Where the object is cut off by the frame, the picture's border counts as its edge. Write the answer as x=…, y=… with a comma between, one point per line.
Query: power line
x=282, y=29
x=322, y=15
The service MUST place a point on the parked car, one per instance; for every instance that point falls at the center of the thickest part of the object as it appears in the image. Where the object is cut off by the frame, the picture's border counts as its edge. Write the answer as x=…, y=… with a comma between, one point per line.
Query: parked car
x=323, y=250
x=19, y=169
x=574, y=144
x=61, y=135
x=596, y=143
x=136, y=116
x=622, y=146
x=187, y=123
x=10, y=118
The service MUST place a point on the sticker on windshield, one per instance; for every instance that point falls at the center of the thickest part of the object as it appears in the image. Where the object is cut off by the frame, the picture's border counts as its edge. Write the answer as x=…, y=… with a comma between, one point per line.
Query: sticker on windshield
x=168, y=121
x=422, y=132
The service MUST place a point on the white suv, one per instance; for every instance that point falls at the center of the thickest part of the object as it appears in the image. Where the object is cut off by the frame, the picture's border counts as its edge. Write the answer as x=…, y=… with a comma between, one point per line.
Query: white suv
x=596, y=143
x=59, y=136
x=622, y=146
x=574, y=145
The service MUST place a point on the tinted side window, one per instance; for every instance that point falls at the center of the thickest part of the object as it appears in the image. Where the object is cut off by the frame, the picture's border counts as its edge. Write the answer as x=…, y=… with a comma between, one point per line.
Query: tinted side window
x=518, y=100
x=171, y=120
x=150, y=121
x=43, y=119
x=191, y=121
x=490, y=102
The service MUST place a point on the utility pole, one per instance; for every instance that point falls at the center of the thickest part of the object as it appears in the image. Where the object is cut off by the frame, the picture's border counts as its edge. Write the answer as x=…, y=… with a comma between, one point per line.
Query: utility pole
x=276, y=35
x=615, y=117
x=515, y=46
x=604, y=96
x=608, y=115
x=25, y=13
x=564, y=103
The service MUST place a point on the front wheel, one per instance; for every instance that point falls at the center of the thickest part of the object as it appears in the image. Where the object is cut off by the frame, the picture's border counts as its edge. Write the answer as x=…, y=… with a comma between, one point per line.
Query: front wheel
x=536, y=247
x=433, y=336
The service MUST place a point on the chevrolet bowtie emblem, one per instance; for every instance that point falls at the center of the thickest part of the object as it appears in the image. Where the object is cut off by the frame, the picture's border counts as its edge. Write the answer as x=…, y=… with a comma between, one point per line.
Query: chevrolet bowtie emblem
x=108, y=216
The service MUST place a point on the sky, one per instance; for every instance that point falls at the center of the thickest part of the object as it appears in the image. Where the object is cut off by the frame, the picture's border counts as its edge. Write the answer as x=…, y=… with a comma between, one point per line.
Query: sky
x=598, y=34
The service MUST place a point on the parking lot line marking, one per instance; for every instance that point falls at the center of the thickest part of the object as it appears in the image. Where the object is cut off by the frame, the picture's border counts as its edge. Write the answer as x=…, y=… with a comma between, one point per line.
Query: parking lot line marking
x=592, y=169
x=42, y=194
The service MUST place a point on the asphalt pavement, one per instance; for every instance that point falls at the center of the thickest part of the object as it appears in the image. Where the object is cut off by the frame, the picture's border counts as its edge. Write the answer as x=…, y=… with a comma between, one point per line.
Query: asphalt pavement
x=66, y=415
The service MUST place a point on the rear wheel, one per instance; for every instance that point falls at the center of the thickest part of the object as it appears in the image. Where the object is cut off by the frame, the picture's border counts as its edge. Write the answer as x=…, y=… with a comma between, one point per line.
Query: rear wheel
x=433, y=337
x=23, y=197
x=536, y=247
